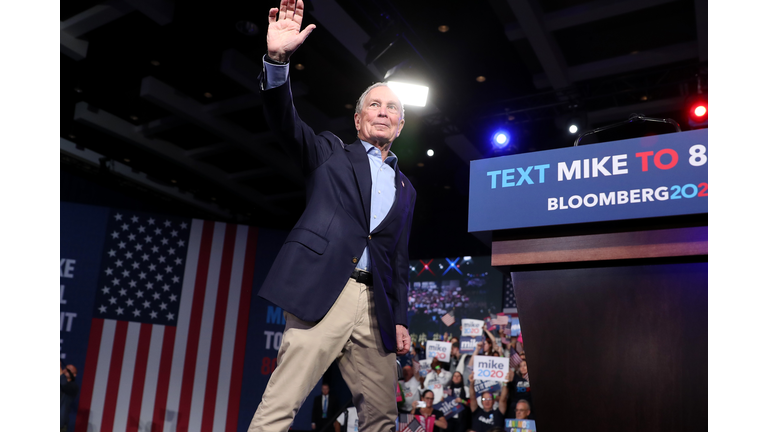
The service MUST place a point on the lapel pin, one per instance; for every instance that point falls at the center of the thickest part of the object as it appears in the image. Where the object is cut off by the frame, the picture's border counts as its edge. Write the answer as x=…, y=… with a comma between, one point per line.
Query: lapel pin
x=402, y=183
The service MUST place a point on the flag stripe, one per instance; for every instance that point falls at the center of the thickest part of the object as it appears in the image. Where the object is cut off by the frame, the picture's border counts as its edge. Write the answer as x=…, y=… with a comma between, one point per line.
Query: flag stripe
x=102, y=374
x=91, y=360
x=195, y=405
x=139, y=374
x=209, y=399
x=163, y=383
x=113, y=378
x=238, y=356
x=199, y=246
x=224, y=370
x=125, y=384
x=193, y=336
x=151, y=376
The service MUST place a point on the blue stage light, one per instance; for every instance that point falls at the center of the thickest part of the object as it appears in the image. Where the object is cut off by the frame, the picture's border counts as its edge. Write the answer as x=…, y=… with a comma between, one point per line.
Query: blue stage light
x=501, y=139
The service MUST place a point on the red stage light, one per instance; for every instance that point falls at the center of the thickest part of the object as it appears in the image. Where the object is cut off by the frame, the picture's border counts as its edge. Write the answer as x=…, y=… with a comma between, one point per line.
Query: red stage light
x=698, y=112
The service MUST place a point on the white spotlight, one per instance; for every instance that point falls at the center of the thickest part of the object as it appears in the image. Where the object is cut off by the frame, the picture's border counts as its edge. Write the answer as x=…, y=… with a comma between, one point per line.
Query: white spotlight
x=430, y=152
x=410, y=94
x=573, y=129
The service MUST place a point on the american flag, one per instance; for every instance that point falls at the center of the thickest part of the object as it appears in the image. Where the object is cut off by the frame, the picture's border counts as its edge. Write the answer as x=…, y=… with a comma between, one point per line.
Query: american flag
x=508, y=294
x=167, y=339
x=449, y=318
x=415, y=426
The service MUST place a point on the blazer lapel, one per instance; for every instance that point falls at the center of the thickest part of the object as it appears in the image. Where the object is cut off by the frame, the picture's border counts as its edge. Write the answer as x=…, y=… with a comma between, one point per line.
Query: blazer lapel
x=361, y=167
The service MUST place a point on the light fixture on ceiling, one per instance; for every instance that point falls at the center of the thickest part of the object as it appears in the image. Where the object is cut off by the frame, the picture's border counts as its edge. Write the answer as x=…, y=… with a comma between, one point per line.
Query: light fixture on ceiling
x=430, y=152
x=208, y=95
x=480, y=79
x=154, y=63
x=443, y=28
x=299, y=66
x=410, y=94
x=501, y=139
x=573, y=128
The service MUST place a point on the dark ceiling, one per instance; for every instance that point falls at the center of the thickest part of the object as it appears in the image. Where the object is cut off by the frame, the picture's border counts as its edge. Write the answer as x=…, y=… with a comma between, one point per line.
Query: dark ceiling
x=160, y=98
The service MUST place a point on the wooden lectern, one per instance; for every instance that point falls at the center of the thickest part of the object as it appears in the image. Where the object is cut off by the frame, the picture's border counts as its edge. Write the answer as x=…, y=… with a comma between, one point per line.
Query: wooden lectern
x=613, y=311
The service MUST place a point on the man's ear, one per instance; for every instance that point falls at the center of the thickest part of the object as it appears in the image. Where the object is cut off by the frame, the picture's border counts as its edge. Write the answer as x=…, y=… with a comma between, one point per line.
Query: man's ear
x=400, y=128
x=357, y=121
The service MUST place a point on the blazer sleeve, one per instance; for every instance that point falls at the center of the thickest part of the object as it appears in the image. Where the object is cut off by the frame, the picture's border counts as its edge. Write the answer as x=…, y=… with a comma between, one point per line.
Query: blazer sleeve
x=402, y=267
x=309, y=149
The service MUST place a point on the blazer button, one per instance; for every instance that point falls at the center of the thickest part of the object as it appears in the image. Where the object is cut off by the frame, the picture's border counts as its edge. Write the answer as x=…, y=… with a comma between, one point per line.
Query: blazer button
x=369, y=237
x=354, y=260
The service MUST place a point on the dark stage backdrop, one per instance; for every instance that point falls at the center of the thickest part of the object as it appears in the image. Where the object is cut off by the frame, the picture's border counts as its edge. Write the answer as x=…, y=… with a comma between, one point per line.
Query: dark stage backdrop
x=468, y=285
x=160, y=316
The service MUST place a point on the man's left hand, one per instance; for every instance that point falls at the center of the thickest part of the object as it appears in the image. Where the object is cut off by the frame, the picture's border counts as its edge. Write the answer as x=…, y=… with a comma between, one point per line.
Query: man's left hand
x=403, y=340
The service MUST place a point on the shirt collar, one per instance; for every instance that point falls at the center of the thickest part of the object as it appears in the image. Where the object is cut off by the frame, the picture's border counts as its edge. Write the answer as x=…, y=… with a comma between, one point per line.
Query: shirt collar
x=371, y=149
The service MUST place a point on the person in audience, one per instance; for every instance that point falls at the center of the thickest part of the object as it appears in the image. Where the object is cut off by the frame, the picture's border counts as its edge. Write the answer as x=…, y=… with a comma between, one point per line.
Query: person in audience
x=485, y=418
x=324, y=408
x=458, y=422
x=438, y=377
x=519, y=388
x=457, y=360
x=490, y=346
x=410, y=387
x=68, y=392
x=427, y=410
x=522, y=409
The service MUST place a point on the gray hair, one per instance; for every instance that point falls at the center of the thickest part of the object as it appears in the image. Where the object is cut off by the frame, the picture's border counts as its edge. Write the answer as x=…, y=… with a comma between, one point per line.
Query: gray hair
x=359, y=106
x=525, y=402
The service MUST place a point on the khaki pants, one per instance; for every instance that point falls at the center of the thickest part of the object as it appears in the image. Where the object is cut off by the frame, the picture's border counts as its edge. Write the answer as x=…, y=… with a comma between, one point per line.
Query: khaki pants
x=349, y=333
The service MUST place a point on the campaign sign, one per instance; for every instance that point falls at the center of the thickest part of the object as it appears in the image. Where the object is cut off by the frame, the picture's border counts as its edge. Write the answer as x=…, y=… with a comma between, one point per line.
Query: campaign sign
x=424, y=367
x=515, y=425
x=513, y=327
x=660, y=175
x=467, y=344
x=449, y=407
x=471, y=327
x=491, y=368
x=482, y=386
x=441, y=350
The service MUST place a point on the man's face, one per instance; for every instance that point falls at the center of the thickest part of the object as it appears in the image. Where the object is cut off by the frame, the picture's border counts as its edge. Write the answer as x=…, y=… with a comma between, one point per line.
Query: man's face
x=454, y=351
x=487, y=401
x=379, y=121
x=407, y=373
x=325, y=389
x=522, y=411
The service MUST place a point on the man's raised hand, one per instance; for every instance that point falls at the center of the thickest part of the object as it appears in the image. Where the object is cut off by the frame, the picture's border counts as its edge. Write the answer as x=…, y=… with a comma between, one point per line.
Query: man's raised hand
x=284, y=35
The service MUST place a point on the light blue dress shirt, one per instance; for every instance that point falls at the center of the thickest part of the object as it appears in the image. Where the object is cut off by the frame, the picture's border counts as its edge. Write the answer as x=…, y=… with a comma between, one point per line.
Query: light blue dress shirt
x=382, y=192
x=382, y=172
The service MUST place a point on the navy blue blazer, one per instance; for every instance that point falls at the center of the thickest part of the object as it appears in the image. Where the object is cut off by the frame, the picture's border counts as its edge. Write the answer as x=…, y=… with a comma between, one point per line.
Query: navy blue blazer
x=323, y=248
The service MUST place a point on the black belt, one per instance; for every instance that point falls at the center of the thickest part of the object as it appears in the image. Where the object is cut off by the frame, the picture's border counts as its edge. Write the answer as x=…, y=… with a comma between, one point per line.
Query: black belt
x=362, y=276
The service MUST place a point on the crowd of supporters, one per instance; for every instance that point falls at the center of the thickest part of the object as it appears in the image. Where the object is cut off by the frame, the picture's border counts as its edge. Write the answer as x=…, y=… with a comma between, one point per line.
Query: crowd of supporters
x=484, y=411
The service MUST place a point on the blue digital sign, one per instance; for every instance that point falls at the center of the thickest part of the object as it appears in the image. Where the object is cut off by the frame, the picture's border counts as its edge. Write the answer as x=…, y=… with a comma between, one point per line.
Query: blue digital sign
x=660, y=175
